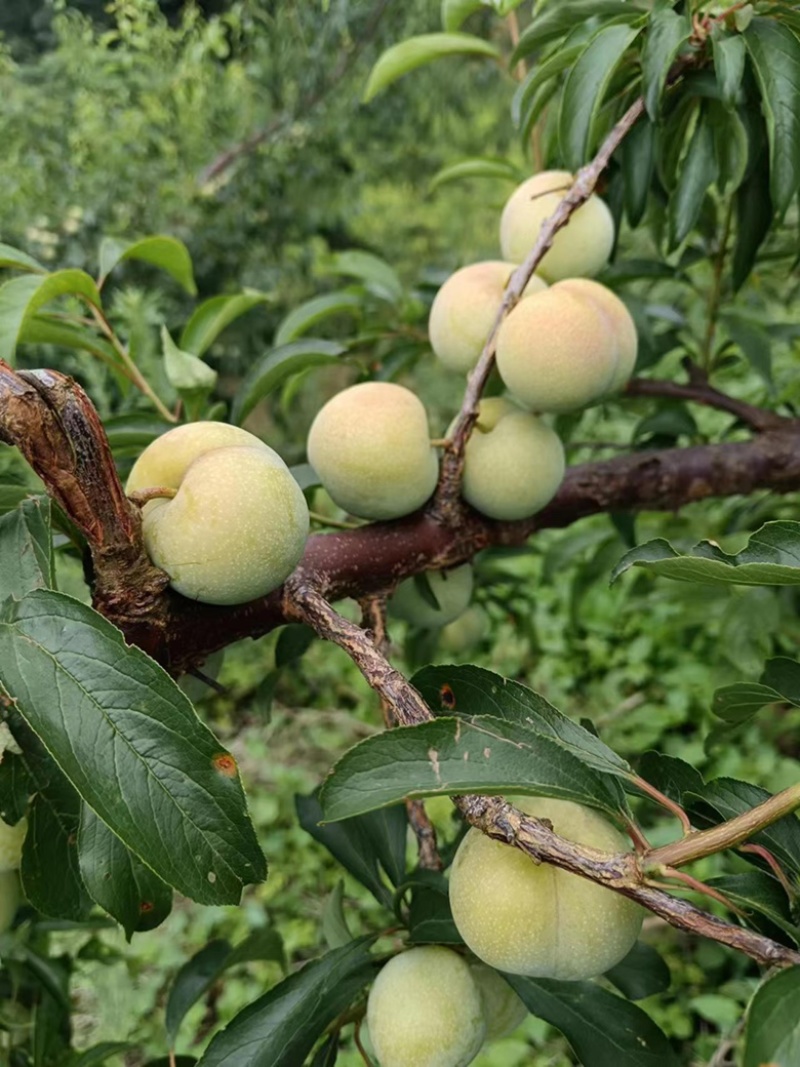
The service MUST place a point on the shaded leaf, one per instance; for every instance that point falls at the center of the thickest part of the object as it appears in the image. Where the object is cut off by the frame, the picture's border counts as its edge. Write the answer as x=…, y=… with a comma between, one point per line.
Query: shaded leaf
x=277, y=365
x=478, y=167
x=376, y=274
x=739, y=702
x=14, y=259
x=753, y=340
x=539, y=75
x=335, y=931
x=772, y=1033
x=134, y=431
x=292, y=643
x=760, y=892
x=44, y=329
x=21, y=298
x=698, y=172
x=100, y=1053
x=670, y=775
x=643, y=973
x=638, y=163
x=783, y=674
x=210, y=318
x=729, y=53
x=195, y=978
x=430, y=918
x=667, y=32
x=557, y=20
x=25, y=537
x=302, y=318
x=167, y=253
x=753, y=220
x=416, y=51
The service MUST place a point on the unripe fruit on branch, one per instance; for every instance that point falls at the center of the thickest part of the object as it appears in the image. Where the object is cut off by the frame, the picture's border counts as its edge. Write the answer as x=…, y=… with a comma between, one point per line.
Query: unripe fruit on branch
x=11, y=841
x=238, y=523
x=424, y=1010
x=9, y=898
x=557, y=351
x=620, y=322
x=580, y=249
x=502, y=1008
x=370, y=446
x=452, y=590
x=464, y=633
x=464, y=310
x=535, y=919
x=513, y=463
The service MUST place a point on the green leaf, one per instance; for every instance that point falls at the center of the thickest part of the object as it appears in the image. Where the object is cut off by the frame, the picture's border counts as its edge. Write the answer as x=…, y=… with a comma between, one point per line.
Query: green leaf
x=643, y=973
x=97, y=1054
x=772, y=1033
x=775, y=54
x=603, y=1029
x=771, y=557
x=729, y=53
x=672, y=776
x=25, y=538
x=753, y=220
x=739, y=702
x=539, y=75
x=376, y=274
x=477, y=167
x=302, y=318
x=473, y=691
x=416, y=51
x=186, y=373
x=557, y=20
x=292, y=643
x=134, y=431
x=430, y=919
x=760, y=892
x=21, y=298
x=335, y=931
x=166, y=253
x=783, y=674
x=456, y=12
x=46, y=329
x=753, y=340
x=638, y=154
x=585, y=90
x=210, y=318
x=698, y=172
x=117, y=880
x=731, y=146
x=194, y=978
x=455, y=756
x=667, y=33
x=279, y=364
x=130, y=742
x=281, y=1028
x=14, y=259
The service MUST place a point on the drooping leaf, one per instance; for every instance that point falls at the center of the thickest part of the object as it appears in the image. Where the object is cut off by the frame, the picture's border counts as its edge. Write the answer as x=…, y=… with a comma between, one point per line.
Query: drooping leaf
x=301, y=319
x=44, y=329
x=753, y=340
x=667, y=32
x=376, y=274
x=166, y=253
x=731, y=147
x=456, y=756
x=131, y=744
x=26, y=539
x=638, y=155
x=643, y=973
x=210, y=318
x=585, y=90
x=327, y=1053
x=186, y=373
x=430, y=918
x=557, y=20
x=698, y=172
x=771, y=557
x=772, y=1033
x=15, y=259
x=729, y=58
x=117, y=880
x=760, y=892
x=22, y=297
x=775, y=55
x=456, y=12
x=478, y=167
x=293, y=641
x=416, y=51
x=194, y=978
x=281, y=1028
x=277, y=365
x=335, y=931
x=604, y=1030
x=753, y=220
x=540, y=74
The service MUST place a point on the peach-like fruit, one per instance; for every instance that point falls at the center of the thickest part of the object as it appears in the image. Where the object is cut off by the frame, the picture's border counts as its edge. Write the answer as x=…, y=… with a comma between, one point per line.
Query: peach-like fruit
x=425, y=1010
x=556, y=351
x=451, y=588
x=464, y=310
x=238, y=523
x=464, y=633
x=535, y=919
x=502, y=1008
x=581, y=248
x=370, y=446
x=620, y=322
x=11, y=841
x=513, y=463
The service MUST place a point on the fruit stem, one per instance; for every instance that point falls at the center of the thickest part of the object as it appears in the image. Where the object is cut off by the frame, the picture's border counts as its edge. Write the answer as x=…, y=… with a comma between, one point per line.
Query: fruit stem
x=158, y=492
x=339, y=524
x=361, y=1050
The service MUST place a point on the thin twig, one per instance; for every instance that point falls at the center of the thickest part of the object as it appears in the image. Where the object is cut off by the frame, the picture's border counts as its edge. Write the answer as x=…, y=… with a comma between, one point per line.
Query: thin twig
x=665, y=802
x=701, y=392
x=135, y=374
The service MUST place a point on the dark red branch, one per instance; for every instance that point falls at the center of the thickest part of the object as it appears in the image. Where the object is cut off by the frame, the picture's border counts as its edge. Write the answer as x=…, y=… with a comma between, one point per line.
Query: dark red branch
x=699, y=391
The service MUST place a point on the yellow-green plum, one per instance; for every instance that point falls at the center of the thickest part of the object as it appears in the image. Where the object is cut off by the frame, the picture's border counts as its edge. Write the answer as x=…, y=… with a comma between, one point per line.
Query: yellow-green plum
x=11, y=841
x=620, y=322
x=370, y=446
x=464, y=633
x=238, y=522
x=556, y=351
x=464, y=310
x=452, y=590
x=9, y=898
x=580, y=249
x=535, y=919
x=513, y=463
x=425, y=1010
x=502, y=1008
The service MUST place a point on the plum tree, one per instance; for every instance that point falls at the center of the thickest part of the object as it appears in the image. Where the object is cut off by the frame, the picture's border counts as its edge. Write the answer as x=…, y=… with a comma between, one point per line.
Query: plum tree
x=557, y=351
x=464, y=310
x=514, y=463
x=535, y=919
x=581, y=248
x=620, y=322
x=234, y=523
x=9, y=898
x=370, y=446
x=452, y=590
x=502, y=1008
x=425, y=1010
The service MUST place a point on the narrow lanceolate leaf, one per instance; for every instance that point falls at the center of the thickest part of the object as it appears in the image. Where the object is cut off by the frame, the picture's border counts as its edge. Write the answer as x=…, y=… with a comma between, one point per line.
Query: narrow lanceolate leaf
x=117, y=880
x=416, y=51
x=771, y=557
x=26, y=544
x=473, y=691
x=456, y=12
x=456, y=756
x=166, y=253
x=772, y=1034
x=22, y=297
x=14, y=259
x=557, y=20
x=729, y=53
x=539, y=75
x=281, y=1028
x=212, y=316
x=585, y=89
x=131, y=744
x=279, y=364
x=301, y=319
x=753, y=220
x=603, y=1029
x=775, y=54
x=667, y=33
x=698, y=172
x=638, y=154
x=480, y=167
x=44, y=329
x=376, y=274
